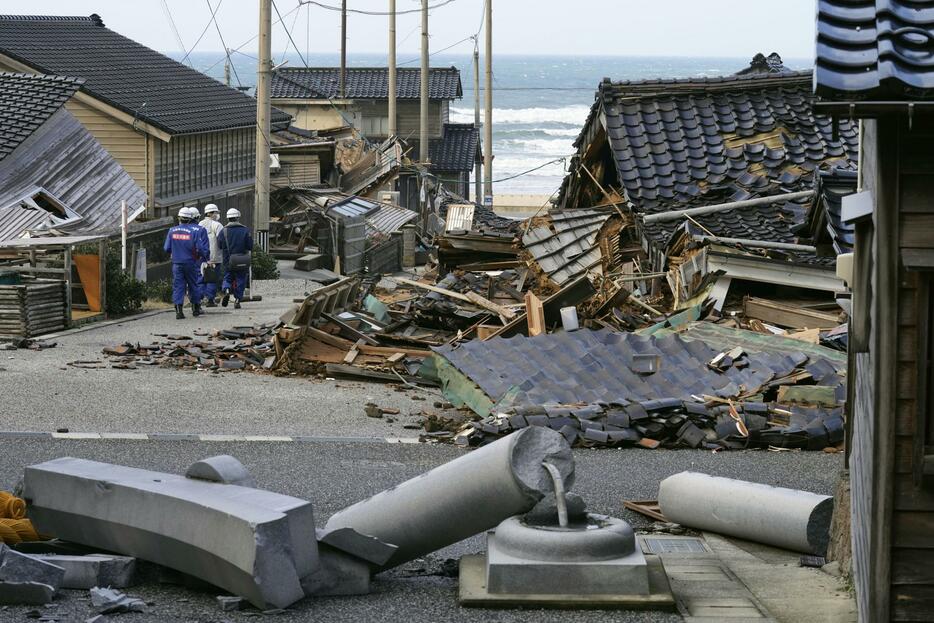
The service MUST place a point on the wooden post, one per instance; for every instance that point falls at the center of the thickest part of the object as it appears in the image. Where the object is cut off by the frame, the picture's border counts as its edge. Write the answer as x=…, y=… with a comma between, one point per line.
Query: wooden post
x=535, y=314
x=102, y=256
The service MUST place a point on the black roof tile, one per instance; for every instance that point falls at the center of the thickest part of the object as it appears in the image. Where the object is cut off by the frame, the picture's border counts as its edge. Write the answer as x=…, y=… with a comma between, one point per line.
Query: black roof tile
x=874, y=49
x=26, y=102
x=457, y=149
x=121, y=72
x=364, y=83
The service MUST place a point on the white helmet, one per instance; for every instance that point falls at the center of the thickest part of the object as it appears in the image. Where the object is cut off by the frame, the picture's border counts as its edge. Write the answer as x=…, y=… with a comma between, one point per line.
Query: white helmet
x=183, y=212
x=193, y=212
x=233, y=213
x=211, y=209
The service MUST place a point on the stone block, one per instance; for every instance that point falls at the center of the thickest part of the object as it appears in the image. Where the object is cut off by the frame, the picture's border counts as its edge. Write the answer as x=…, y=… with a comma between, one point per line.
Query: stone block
x=25, y=593
x=339, y=573
x=222, y=468
x=17, y=567
x=311, y=262
x=85, y=572
x=250, y=542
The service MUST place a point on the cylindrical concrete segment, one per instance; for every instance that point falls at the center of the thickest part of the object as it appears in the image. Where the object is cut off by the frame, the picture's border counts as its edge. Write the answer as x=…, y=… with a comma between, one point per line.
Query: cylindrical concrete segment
x=786, y=518
x=464, y=497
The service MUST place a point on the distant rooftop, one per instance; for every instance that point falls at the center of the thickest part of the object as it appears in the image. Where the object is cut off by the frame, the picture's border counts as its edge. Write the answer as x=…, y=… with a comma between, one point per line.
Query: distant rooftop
x=125, y=74
x=364, y=83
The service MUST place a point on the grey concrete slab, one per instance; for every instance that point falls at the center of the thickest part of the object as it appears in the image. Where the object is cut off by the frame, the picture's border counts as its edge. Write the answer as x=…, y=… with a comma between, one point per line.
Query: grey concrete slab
x=26, y=593
x=338, y=573
x=88, y=571
x=254, y=543
x=19, y=567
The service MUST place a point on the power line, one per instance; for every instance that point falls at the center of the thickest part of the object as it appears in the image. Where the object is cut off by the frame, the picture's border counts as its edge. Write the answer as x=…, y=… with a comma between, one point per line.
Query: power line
x=224, y=43
x=247, y=42
x=201, y=36
x=292, y=29
x=361, y=12
x=412, y=60
x=168, y=14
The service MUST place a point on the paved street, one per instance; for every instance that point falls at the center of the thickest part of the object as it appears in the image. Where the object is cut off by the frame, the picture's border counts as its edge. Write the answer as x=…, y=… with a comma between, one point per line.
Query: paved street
x=341, y=458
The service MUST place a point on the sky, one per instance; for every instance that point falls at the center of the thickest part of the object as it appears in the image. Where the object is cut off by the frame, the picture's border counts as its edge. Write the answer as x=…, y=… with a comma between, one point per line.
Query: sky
x=705, y=28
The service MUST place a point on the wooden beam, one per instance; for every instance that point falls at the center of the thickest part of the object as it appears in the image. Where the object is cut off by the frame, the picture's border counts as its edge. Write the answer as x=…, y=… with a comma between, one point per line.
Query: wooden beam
x=353, y=352
x=535, y=314
x=470, y=297
x=788, y=316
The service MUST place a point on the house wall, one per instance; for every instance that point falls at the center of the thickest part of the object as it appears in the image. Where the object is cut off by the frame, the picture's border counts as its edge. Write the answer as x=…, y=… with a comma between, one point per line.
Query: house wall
x=126, y=145
x=912, y=518
x=371, y=117
x=193, y=166
x=297, y=171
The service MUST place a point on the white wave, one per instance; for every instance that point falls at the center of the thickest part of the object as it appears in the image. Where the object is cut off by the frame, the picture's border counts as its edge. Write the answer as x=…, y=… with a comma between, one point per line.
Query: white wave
x=570, y=132
x=570, y=115
x=537, y=146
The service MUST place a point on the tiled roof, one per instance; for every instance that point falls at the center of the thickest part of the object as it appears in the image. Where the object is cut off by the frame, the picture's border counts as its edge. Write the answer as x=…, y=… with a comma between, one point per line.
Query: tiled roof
x=26, y=102
x=568, y=247
x=127, y=75
x=825, y=222
x=457, y=148
x=875, y=49
x=675, y=141
x=599, y=367
x=762, y=64
x=364, y=83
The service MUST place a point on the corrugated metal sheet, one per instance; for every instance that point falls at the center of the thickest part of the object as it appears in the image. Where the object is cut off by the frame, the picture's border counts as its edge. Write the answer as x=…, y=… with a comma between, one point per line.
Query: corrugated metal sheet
x=571, y=249
x=460, y=216
x=381, y=218
x=63, y=158
x=595, y=367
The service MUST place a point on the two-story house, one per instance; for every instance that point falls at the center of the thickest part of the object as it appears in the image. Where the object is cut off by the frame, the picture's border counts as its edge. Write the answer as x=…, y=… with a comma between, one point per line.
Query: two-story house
x=311, y=95
x=185, y=138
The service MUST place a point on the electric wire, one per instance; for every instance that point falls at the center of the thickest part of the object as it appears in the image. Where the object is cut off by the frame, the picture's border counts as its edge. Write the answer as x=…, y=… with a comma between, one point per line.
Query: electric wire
x=362, y=12
x=168, y=14
x=247, y=42
x=224, y=43
x=206, y=27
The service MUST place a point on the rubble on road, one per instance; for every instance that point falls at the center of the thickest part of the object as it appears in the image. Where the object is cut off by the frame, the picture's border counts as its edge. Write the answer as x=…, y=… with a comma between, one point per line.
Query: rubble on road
x=109, y=601
x=27, y=580
x=25, y=343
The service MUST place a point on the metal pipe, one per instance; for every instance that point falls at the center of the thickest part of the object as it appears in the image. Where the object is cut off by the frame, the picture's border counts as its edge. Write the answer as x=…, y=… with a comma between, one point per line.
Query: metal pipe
x=722, y=207
x=488, y=108
x=423, y=95
x=759, y=244
x=466, y=496
x=561, y=502
x=478, y=168
x=391, y=89
x=786, y=518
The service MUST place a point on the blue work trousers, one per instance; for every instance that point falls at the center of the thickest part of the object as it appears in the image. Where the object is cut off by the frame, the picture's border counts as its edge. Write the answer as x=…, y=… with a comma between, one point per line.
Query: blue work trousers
x=185, y=277
x=236, y=281
x=208, y=288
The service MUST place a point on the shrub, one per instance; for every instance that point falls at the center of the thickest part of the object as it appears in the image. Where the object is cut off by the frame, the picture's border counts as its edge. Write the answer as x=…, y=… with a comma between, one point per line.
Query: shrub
x=159, y=291
x=264, y=265
x=125, y=294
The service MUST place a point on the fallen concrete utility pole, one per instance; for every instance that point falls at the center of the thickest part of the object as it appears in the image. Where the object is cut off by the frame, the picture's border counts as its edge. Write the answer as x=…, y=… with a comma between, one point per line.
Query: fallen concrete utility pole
x=464, y=497
x=758, y=244
x=253, y=543
x=674, y=215
x=795, y=520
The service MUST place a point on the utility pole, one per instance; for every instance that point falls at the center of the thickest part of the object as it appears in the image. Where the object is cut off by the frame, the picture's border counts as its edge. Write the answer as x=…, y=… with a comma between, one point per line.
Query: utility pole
x=488, y=113
x=343, y=46
x=263, y=71
x=423, y=116
x=478, y=169
x=227, y=69
x=392, y=68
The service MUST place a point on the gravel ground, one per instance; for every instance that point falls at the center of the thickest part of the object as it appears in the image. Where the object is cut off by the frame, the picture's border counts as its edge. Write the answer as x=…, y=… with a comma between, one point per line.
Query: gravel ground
x=334, y=475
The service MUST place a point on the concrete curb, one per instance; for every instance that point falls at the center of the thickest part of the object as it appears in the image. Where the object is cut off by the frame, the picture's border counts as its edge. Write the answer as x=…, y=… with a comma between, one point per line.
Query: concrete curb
x=84, y=436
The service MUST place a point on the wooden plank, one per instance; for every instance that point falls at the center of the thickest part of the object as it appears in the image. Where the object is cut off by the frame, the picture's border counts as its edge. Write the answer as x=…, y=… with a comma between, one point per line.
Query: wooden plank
x=916, y=231
x=912, y=603
x=912, y=566
x=327, y=338
x=431, y=288
x=788, y=316
x=485, y=330
x=353, y=352
x=649, y=508
x=911, y=497
x=354, y=333
x=355, y=372
x=486, y=303
x=535, y=314
x=913, y=529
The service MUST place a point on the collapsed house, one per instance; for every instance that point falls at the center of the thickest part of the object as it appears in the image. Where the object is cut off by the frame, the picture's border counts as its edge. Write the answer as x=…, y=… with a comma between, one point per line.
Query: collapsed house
x=718, y=173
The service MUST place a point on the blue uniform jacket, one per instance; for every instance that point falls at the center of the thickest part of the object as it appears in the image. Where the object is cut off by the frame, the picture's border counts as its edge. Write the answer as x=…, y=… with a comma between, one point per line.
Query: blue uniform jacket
x=187, y=243
x=235, y=238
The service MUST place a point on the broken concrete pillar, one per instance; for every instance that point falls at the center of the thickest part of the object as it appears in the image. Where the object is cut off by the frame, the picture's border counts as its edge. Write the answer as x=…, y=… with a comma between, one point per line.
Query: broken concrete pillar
x=92, y=570
x=347, y=559
x=25, y=580
x=222, y=468
x=253, y=543
x=795, y=520
x=466, y=496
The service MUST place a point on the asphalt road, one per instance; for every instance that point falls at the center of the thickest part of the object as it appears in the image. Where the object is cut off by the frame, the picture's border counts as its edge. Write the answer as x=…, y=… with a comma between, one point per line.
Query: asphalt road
x=333, y=475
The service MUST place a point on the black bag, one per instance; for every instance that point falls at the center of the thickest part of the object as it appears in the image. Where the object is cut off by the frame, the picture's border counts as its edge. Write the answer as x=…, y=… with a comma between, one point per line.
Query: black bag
x=239, y=261
x=211, y=273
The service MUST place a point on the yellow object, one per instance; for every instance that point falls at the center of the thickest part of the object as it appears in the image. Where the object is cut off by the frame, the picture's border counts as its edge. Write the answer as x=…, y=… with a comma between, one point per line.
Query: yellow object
x=23, y=529
x=8, y=535
x=11, y=507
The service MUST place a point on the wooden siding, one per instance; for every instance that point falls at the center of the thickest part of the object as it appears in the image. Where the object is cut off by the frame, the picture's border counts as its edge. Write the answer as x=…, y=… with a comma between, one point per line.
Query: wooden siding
x=912, y=551
x=196, y=165
x=126, y=145
x=297, y=171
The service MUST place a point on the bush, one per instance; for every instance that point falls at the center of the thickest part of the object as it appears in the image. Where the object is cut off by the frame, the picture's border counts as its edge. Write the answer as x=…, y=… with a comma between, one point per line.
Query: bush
x=264, y=265
x=159, y=291
x=125, y=294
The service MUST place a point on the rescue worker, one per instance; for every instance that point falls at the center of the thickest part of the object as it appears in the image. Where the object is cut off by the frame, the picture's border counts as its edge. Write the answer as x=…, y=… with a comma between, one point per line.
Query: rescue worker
x=210, y=270
x=236, y=244
x=187, y=246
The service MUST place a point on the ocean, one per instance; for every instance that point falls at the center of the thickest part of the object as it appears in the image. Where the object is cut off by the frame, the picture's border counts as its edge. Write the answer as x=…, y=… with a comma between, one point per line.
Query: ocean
x=539, y=102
